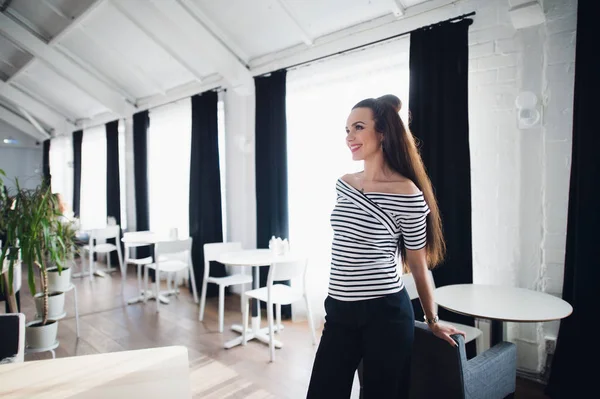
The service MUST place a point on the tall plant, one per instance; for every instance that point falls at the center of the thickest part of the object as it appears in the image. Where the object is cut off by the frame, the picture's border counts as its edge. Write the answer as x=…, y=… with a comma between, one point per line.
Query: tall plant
x=31, y=222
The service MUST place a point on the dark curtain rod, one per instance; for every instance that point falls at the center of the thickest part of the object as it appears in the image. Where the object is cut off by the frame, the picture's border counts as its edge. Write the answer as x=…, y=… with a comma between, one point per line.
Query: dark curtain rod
x=460, y=17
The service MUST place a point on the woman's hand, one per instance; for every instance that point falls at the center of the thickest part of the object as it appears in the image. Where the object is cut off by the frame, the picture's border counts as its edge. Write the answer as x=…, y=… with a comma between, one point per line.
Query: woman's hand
x=444, y=331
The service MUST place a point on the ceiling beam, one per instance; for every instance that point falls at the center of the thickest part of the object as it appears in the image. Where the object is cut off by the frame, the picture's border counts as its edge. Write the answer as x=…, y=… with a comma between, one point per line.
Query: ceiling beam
x=376, y=29
x=64, y=66
x=398, y=8
x=213, y=27
x=178, y=93
x=35, y=124
x=292, y=15
x=40, y=110
x=20, y=124
x=212, y=50
x=56, y=10
x=119, y=58
x=168, y=42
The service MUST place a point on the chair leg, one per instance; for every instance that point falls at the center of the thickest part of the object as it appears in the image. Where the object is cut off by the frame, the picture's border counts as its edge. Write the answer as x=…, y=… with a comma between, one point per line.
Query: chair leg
x=76, y=310
x=194, y=290
x=203, y=299
x=139, y=278
x=157, y=290
x=271, y=328
x=90, y=264
x=146, y=285
x=245, y=311
x=278, y=318
x=311, y=322
x=221, y=307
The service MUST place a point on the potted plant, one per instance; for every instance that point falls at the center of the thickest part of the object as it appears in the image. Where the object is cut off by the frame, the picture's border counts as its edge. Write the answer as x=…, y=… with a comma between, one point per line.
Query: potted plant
x=31, y=223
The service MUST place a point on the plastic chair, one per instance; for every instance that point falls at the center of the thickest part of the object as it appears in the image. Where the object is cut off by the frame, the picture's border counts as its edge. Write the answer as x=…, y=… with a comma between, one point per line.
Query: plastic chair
x=96, y=235
x=279, y=294
x=171, y=257
x=212, y=251
x=129, y=241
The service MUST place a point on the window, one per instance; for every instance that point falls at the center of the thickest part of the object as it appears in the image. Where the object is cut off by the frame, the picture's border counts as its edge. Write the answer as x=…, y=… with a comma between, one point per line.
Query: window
x=169, y=147
x=92, y=209
x=61, y=168
x=319, y=99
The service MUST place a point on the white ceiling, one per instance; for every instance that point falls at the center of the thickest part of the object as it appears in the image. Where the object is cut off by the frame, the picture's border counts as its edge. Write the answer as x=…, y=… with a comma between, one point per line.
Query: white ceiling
x=68, y=63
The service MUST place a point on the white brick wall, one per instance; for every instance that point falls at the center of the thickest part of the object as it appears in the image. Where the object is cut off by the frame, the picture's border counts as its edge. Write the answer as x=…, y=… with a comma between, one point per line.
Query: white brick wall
x=560, y=31
x=520, y=177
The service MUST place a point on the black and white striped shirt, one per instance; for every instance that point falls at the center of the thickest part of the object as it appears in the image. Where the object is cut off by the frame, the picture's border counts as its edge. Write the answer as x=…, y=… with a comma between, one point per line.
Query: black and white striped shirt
x=366, y=230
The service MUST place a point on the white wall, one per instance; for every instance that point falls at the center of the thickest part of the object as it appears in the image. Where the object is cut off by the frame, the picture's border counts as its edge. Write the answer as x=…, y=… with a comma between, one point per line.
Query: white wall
x=519, y=176
x=22, y=160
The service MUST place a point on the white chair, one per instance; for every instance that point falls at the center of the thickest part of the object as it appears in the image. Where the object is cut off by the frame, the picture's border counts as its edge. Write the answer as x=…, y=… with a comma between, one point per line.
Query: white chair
x=279, y=294
x=211, y=253
x=471, y=332
x=94, y=246
x=132, y=240
x=171, y=257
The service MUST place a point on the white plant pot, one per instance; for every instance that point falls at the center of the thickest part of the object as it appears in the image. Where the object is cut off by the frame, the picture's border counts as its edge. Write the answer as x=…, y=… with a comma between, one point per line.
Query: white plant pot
x=56, y=304
x=41, y=336
x=58, y=282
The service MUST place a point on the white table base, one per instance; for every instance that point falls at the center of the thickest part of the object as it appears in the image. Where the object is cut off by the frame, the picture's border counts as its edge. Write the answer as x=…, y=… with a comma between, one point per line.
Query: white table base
x=149, y=294
x=255, y=332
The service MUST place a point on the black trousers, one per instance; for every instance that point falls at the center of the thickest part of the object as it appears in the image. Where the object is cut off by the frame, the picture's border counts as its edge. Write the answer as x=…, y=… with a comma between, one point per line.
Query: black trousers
x=380, y=332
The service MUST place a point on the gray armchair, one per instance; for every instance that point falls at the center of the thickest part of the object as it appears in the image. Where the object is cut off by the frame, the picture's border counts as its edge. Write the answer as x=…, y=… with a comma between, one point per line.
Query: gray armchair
x=440, y=370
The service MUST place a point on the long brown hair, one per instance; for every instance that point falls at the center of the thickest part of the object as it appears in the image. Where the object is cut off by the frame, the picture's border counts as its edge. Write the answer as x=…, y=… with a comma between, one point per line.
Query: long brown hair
x=402, y=155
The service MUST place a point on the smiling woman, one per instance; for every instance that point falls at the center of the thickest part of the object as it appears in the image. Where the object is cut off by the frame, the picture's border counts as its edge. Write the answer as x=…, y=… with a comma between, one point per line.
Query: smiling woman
x=319, y=98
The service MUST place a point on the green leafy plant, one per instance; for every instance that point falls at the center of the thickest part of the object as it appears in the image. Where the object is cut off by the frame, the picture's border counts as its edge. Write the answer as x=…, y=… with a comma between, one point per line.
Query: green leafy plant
x=31, y=223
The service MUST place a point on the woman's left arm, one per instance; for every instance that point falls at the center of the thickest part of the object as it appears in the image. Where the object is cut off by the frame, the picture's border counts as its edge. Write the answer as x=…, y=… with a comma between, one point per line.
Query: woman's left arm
x=417, y=261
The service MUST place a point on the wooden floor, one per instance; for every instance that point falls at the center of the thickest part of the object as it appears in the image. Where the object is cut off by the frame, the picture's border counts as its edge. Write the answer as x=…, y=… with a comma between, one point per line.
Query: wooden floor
x=107, y=325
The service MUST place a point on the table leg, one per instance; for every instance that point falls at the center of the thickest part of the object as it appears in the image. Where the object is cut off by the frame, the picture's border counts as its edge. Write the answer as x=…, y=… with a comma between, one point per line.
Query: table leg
x=254, y=332
x=150, y=296
x=496, y=332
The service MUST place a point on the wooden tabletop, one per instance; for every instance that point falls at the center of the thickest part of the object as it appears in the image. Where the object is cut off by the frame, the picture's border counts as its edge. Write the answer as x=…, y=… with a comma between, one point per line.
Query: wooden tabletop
x=146, y=373
x=501, y=303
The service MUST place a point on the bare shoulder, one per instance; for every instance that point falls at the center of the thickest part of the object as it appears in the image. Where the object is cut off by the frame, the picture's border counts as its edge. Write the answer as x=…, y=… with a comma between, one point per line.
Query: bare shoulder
x=351, y=178
x=402, y=186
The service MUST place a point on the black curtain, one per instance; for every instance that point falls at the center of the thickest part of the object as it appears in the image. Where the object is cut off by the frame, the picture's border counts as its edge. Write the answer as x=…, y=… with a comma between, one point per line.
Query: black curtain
x=570, y=374
x=206, y=223
x=113, y=186
x=46, y=163
x=141, y=123
x=77, y=138
x=271, y=165
x=438, y=103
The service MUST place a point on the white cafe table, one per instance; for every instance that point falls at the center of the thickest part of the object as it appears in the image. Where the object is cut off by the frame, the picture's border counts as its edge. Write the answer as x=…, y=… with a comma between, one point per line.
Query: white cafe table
x=255, y=258
x=500, y=304
x=142, y=239
x=146, y=373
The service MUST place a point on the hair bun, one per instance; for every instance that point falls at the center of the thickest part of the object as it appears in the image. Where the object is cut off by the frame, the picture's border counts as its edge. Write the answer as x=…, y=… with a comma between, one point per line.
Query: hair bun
x=392, y=100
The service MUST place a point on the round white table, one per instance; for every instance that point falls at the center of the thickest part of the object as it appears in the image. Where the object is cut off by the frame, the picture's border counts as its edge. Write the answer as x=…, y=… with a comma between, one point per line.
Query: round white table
x=143, y=239
x=501, y=304
x=255, y=258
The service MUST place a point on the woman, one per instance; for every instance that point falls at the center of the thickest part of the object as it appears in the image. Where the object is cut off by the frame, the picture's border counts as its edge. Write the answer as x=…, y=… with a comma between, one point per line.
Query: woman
x=386, y=211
